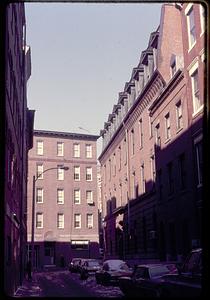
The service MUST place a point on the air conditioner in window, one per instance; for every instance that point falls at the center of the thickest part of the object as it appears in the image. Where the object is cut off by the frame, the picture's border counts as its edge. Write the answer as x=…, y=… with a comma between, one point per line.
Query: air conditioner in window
x=90, y=226
x=152, y=234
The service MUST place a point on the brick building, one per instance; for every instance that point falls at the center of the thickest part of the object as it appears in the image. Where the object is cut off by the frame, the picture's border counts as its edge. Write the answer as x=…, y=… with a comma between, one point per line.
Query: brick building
x=18, y=140
x=151, y=156
x=66, y=204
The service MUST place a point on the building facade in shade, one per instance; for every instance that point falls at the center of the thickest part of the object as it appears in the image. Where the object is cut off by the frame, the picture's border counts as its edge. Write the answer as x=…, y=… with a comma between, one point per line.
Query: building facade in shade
x=150, y=159
x=66, y=206
x=18, y=140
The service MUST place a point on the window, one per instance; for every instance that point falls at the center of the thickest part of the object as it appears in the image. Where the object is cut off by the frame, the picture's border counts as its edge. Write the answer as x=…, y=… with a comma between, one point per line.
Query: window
x=160, y=186
x=39, y=195
x=173, y=68
x=179, y=115
x=157, y=135
x=167, y=126
x=202, y=18
x=199, y=160
x=132, y=142
x=77, y=196
x=182, y=171
x=89, y=220
x=142, y=179
x=191, y=26
x=125, y=151
x=150, y=127
x=76, y=173
x=77, y=221
x=76, y=150
x=39, y=220
x=89, y=174
x=114, y=165
x=60, y=173
x=88, y=149
x=79, y=245
x=119, y=151
x=140, y=133
x=60, y=196
x=170, y=178
x=89, y=197
x=60, y=220
x=110, y=169
x=152, y=164
x=39, y=147
x=60, y=147
x=39, y=171
x=195, y=91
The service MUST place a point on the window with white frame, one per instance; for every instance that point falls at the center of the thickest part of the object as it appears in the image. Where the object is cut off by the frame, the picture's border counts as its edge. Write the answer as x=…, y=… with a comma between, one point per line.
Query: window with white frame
x=132, y=142
x=152, y=166
x=88, y=150
x=60, y=148
x=199, y=160
x=89, y=197
x=114, y=165
x=179, y=120
x=167, y=126
x=195, y=90
x=89, y=220
x=39, y=220
x=39, y=171
x=60, y=172
x=140, y=133
x=76, y=173
x=173, y=67
x=157, y=135
x=60, y=196
x=77, y=197
x=89, y=174
x=77, y=220
x=142, y=179
x=119, y=151
x=76, y=150
x=40, y=147
x=202, y=18
x=60, y=220
x=189, y=11
x=39, y=195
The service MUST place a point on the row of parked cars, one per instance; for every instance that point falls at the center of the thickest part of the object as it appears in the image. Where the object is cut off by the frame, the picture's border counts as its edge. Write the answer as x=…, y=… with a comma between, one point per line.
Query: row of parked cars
x=146, y=280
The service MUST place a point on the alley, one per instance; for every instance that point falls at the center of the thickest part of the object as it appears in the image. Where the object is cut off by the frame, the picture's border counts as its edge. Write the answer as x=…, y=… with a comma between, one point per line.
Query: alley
x=61, y=284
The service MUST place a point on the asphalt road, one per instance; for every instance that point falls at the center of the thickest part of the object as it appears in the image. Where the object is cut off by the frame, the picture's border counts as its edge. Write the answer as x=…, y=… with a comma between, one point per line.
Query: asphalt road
x=61, y=284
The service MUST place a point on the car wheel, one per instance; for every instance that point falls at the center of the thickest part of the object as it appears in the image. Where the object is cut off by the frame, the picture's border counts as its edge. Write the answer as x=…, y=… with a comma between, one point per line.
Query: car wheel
x=158, y=293
x=98, y=281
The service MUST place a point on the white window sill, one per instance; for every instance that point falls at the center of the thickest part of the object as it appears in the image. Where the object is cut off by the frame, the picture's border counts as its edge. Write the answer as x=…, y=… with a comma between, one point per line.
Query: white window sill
x=167, y=141
x=191, y=47
x=179, y=129
x=201, y=33
x=198, y=111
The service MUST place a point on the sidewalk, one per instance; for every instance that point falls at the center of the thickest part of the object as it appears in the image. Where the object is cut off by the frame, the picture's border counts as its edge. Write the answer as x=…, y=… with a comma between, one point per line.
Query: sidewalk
x=29, y=288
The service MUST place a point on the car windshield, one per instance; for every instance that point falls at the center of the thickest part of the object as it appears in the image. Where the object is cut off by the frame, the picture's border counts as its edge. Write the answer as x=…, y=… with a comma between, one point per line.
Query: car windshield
x=118, y=266
x=159, y=271
x=93, y=263
x=141, y=272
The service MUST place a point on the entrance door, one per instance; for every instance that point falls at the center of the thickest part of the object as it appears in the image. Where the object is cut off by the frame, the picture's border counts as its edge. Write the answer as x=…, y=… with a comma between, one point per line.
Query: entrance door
x=49, y=254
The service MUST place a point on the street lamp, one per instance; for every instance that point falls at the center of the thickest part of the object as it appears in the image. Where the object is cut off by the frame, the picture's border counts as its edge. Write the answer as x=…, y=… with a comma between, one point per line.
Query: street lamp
x=33, y=208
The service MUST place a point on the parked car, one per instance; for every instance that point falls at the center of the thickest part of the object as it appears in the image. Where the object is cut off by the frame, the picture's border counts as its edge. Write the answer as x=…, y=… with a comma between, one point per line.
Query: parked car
x=145, y=280
x=89, y=267
x=187, y=283
x=111, y=271
x=74, y=265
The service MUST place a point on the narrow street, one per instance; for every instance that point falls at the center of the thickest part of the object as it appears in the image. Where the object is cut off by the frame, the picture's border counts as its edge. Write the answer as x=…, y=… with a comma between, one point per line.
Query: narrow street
x=62, y=283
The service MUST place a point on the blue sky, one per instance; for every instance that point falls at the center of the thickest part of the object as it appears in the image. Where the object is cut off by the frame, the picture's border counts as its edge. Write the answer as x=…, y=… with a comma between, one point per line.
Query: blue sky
x=82, y=55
